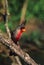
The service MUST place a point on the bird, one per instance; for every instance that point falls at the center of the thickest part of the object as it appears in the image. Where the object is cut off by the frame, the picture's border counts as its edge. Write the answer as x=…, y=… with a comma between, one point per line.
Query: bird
x=17, y=34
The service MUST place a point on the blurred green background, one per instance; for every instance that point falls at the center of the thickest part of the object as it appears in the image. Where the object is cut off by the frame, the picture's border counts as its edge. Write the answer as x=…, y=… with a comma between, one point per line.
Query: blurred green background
x=34, y=35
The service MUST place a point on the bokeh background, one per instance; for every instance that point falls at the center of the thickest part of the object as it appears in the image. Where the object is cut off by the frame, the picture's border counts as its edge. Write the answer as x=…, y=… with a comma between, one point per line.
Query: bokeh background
x=32, y=41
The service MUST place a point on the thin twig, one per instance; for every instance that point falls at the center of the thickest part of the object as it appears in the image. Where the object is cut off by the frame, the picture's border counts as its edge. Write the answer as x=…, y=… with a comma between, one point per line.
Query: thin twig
x=18, y=60
x=6, y=21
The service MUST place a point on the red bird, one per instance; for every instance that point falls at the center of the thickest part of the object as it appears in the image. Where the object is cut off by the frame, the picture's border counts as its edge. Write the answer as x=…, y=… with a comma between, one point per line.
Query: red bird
x=17, y=33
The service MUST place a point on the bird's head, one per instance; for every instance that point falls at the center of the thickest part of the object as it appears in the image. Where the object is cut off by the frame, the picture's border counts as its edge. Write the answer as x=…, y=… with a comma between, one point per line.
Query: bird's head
x=23, y=29
x=22, y=26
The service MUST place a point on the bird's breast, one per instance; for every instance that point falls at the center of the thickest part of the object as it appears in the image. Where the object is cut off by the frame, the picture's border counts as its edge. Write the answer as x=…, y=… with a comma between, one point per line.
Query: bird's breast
x=18, y=34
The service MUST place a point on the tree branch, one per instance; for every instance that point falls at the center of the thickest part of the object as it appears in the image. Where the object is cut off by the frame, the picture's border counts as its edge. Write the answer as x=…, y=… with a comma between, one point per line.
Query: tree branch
x=18, y=60
x=23, y=11
x=17, y=50
x=6, y=24
x=6, y=13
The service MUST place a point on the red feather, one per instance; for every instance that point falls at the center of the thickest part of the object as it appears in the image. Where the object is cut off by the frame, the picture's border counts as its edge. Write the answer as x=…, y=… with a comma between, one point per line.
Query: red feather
x=19, y=35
